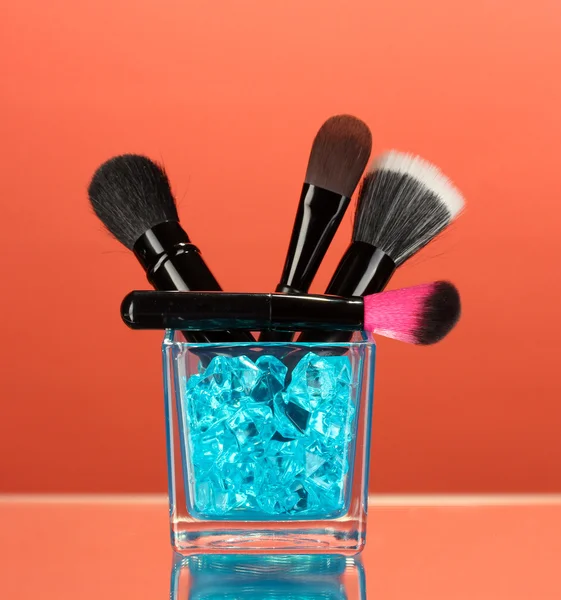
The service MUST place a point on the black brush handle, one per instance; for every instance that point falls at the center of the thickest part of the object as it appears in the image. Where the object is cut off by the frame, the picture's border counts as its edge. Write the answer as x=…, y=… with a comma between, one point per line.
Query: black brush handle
x=210, y=311
x=319, y=214
x=363, y=270
x=278, y=335
x=172, y=262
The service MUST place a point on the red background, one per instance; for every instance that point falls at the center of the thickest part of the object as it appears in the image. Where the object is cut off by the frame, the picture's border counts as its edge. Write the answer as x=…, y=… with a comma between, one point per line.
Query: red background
x=229, y=95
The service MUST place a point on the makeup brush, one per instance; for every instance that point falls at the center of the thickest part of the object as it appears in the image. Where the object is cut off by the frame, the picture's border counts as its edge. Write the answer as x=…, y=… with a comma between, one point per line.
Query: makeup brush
x=422, y=314
x=404, y=203
x=132, y=197
x=339, y=155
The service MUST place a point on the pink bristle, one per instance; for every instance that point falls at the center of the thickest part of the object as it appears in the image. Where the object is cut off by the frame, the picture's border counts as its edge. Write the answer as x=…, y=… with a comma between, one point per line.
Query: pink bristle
x=421, y=314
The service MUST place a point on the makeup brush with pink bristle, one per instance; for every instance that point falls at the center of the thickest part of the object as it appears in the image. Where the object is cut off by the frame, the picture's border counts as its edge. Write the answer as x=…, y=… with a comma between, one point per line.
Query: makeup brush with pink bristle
x=422, y=314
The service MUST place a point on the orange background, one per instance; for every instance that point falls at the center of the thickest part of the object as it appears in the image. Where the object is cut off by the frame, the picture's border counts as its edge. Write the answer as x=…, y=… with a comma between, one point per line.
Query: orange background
x=229, y=95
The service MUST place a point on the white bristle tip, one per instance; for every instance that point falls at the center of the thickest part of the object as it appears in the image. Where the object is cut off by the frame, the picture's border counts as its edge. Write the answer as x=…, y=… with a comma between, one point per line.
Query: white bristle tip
x=425, y=173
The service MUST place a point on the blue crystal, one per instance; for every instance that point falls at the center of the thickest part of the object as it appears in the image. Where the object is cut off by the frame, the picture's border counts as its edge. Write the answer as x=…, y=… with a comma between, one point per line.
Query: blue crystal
x=316, y=380
x=203, y=495
x=271, y=379
x=327, y=424
x=315, y=458
x=306, y=498
x=272, y=500
x=285, y=427
x=281, y=446
x=216, y=379
x=244, y=376
x=212, y=445
x=282, y=469
x=252, y=426
x=259, y=450
x=297, y=415
x=227, y=500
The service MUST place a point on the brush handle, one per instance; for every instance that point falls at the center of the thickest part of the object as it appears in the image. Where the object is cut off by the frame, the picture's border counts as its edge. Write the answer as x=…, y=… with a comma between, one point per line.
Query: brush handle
x=172, y=262
x=363, y=270
x=319, y=214
x=196, y=311
x=277, y=335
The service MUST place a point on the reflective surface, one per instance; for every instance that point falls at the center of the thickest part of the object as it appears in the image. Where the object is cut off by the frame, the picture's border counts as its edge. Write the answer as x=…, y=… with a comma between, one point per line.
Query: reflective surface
x=266, y=577
x=119, y=548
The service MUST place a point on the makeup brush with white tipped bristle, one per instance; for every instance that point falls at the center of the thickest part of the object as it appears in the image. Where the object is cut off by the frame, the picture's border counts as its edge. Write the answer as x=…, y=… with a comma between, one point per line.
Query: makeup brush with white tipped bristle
x=403, y=204
x=339, y=155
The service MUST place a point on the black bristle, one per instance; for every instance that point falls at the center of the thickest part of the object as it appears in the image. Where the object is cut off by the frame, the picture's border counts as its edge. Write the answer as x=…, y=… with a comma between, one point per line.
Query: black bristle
x=131, y=194
x=339, y=155
x=398, y=214
x=440, y=313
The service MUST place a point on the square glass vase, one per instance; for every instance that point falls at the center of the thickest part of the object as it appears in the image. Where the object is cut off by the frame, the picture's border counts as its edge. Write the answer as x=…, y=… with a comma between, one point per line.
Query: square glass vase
x=268, y=445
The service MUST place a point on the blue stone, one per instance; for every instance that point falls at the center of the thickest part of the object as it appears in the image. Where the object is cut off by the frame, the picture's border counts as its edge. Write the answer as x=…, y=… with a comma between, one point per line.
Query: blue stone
x=306, y=499
x=284, y=426
x=212, y=445
x=315, y=458
x=297, y=415
x=258, y=450
x=248, y=474
x=272, y=500
x=252, y=426
x=278, y=437
x=271, y=379
x=227, y=500
x=283, y=469
x=244, y=375
x=203, y=495
x=216, y=377
x=320, y=381
x=281, y=446
x=327, y=424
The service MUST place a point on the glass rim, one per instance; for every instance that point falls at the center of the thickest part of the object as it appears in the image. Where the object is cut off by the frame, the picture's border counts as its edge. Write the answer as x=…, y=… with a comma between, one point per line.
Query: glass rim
x=366, y=339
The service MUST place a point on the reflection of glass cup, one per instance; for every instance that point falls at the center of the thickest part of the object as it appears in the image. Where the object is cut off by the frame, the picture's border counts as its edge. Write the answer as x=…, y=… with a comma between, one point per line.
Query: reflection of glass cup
x=268, y=445
x=267, y=577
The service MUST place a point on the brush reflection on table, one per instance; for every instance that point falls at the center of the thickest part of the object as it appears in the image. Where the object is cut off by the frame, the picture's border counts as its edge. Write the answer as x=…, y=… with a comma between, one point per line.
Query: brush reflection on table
x=267, y=577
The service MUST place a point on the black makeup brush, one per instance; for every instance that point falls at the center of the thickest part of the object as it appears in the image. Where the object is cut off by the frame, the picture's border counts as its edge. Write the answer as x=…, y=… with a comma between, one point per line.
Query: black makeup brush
x=340, y=152
x=404, y=203
x=421, y=314
x=132, y=197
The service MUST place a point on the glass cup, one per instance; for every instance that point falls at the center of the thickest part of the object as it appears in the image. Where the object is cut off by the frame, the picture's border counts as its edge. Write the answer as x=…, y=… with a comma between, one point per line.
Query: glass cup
x=268, y=445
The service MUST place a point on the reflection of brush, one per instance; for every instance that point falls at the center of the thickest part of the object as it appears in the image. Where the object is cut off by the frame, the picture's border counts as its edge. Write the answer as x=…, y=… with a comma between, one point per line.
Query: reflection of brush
x=132, y=197
x=403, y=204
x=339, y=154
x=422, y=314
